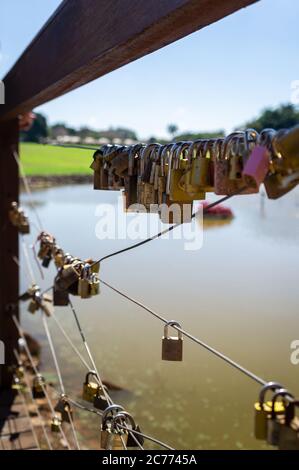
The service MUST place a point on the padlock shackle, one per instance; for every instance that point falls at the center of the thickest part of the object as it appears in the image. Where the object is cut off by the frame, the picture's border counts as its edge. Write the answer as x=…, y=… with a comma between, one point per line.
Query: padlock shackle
x=269, y=386
x=90, y=373
x=122, y=416
x=172, y=323
x=109, y=410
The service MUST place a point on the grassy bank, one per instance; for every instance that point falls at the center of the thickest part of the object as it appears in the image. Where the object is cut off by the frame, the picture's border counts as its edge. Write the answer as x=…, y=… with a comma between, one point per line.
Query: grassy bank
x=46, y=160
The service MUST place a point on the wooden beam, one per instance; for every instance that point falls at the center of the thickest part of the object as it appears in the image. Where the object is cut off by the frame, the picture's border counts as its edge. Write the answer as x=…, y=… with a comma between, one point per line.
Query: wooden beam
x=85, y=39
x=9, y=246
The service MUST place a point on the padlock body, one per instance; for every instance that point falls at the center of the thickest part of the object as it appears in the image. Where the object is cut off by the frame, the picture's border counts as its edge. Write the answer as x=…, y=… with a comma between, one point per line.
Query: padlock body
x=89, y=391
x=172, y=349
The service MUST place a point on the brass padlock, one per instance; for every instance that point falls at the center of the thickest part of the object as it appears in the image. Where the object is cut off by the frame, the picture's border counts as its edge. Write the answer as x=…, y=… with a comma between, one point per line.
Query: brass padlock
x=274, y=422
x=84, y=282
x=94, y=284
x=289, y=433
x=68, y=275
x=33, y=306
x=64, y=409
x=263, y=409
x=90, y=388
x=285, y=143
x=100, y=400
x=172, y=346
x=59, y=258
x=38, y=387
x=20, y=372
x=56, y=424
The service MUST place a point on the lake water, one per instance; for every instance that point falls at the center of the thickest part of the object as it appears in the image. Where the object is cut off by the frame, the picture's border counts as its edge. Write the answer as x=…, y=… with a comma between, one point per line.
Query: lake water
x=238, y=293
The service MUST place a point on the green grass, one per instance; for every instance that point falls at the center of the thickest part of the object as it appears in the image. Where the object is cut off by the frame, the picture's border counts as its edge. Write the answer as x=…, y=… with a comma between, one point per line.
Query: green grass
x=46, y=160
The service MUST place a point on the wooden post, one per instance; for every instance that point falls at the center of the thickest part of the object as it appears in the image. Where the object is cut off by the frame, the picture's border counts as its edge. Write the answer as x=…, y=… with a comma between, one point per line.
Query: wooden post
x=9, y=246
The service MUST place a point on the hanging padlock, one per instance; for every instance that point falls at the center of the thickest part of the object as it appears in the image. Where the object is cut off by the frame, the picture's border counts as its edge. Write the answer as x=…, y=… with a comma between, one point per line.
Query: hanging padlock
x=20, y=372
x=222, y=152
x=263, y=409
x=117, y=436
x=94, y=284
x=172, y=346
x=23, y=226
x=18, y=384
x=38, y=387
x=58, y=257
x=257, y=166
x=289, y=433
x=100, y=400
x=90, y=388
x=275, y=422
x=107, y=417
x=96, y=166
x=63, y=407
x=56, y=424
x=84, y=282
x=60, y=297
x=33, y=306
x=68, y=275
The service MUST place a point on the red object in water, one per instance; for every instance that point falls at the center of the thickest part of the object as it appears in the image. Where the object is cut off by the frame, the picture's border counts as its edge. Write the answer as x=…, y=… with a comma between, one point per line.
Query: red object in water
x=217, y=212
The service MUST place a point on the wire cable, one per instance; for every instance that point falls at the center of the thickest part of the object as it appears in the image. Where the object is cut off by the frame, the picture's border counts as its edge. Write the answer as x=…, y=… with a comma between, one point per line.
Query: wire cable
x=27, y=188
x=21, y=333
x=212, y=350
x=34, y=402
x=169, y=229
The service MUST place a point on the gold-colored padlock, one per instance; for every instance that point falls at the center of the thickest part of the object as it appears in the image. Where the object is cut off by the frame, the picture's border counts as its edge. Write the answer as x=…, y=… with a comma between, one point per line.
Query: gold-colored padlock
x=38, y=387
x=90, y=388
x=172, y=346
x=94, y=285
x=108, y=438
x=56, y=424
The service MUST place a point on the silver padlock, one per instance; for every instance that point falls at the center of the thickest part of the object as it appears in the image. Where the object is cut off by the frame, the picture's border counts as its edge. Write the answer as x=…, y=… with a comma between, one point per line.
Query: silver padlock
x=172, y=346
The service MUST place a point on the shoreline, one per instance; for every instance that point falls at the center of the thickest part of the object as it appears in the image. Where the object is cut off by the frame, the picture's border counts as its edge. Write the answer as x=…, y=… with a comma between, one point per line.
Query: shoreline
x=47, y=181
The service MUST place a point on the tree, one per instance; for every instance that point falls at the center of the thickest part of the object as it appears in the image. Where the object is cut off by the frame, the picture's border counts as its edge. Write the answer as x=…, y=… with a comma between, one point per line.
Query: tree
x=38, y=131
x=282, y=117
x=172, y=129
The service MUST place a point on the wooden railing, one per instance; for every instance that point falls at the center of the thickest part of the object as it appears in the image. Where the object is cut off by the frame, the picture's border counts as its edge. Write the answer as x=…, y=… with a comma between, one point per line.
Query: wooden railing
x=83, y=40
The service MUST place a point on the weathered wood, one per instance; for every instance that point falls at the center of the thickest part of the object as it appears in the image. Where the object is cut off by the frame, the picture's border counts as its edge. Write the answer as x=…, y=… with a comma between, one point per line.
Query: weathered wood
x=9, y=246
x=85, y=39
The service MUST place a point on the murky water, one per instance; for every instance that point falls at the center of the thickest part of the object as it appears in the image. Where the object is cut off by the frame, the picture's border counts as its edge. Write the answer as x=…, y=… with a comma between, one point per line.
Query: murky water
x=239, y=293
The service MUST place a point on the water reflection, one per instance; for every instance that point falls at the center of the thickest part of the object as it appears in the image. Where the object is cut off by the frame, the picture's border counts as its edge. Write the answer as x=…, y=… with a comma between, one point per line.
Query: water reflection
x=239, y=293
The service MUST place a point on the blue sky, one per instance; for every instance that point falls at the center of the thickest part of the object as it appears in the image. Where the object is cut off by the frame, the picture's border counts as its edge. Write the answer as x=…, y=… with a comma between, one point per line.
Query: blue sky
x=216, y=78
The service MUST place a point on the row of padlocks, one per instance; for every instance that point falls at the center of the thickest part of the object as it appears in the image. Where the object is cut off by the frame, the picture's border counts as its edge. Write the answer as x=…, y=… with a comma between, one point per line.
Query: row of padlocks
x=156, y=176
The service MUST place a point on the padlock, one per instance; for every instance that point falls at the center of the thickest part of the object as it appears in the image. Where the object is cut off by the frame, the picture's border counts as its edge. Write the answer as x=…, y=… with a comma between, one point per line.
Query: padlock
x=256, y=166
x=110, y=438
x=56, y=424
x=84, y=282
x=201, y=175
x=38, y=387
x=172, y=346
x=96, y=166
x=90, y=388
x=33, y=306
x=100, y=400
x=46, y=260
x=132, y=426
x=64, y=409
x=275, y=187
x=289, y=433
x=60, y=297
x=94, y=284
x=68, y=275
x=221, y=152
x=59, y=258
x=275, y=422
x=13, y=213
x=18, y=384
x=19, y=372
x=263, y=410
x=24, y=226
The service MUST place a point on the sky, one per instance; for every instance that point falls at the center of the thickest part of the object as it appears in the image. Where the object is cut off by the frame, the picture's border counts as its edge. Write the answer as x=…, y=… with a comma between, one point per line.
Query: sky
x=216, y=78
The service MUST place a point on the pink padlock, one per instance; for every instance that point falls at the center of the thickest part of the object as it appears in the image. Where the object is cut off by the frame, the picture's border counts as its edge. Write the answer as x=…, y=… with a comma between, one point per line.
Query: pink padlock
x=256, y=167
